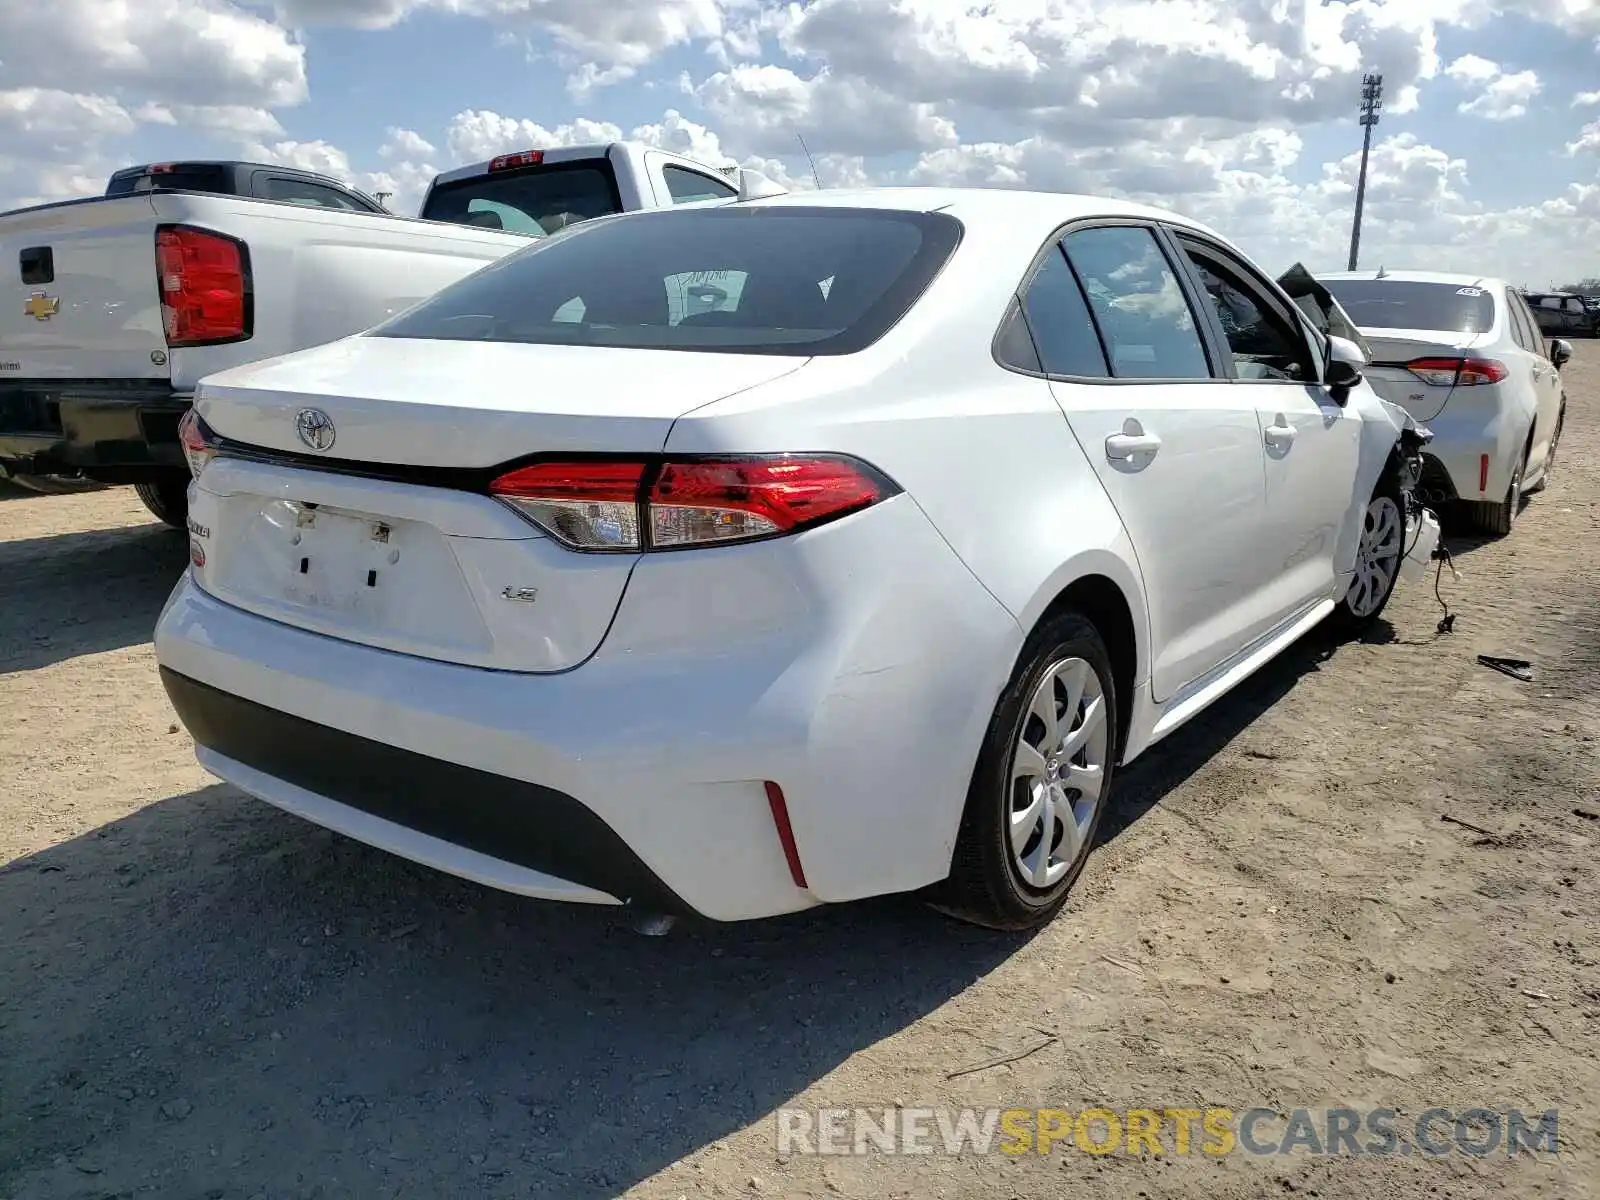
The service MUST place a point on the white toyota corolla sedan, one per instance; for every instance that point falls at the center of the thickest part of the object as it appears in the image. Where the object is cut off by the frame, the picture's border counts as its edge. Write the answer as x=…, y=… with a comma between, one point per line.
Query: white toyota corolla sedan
x=737, y=560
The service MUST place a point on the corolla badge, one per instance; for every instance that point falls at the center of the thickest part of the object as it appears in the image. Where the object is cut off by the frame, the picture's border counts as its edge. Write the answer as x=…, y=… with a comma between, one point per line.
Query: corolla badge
x=315, y=428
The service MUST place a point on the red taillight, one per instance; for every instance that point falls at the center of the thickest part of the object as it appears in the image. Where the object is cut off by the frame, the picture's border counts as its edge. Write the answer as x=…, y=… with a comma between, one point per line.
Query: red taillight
x=523, y=158
x=205, y=290
x=598, y=505
x=198, y=448
x=1457, y=372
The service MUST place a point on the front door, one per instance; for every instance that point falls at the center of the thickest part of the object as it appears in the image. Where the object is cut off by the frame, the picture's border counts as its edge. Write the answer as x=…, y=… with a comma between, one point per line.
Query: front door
x=1312, y=444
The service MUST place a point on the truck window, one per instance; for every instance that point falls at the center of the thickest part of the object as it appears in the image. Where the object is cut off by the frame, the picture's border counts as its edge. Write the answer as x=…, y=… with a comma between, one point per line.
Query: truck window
x=689, y=186
x=313, y=195
x=183, y=177
x=536, y=200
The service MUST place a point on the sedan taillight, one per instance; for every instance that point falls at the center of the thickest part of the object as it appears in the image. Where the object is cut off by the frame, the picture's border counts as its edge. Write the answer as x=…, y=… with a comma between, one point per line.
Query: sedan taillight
x=632, y=505
x=1457, y=372
x=198, y=446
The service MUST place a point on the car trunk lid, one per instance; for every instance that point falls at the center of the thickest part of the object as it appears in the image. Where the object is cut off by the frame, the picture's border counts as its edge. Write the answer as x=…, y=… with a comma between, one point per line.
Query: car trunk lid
x=388, y=537
x=1390, y=376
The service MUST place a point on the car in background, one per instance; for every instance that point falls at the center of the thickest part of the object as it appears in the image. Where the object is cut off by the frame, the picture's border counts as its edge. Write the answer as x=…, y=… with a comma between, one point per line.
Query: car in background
x=1562, y=314
x=739, y=559
x=1463, y=355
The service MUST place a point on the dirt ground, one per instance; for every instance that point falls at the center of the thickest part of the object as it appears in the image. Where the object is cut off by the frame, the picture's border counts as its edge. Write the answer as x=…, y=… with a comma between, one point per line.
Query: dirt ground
x=203, y=997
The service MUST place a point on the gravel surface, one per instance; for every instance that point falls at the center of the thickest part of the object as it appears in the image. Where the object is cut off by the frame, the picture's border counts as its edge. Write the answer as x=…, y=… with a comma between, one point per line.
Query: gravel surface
x=203, y=997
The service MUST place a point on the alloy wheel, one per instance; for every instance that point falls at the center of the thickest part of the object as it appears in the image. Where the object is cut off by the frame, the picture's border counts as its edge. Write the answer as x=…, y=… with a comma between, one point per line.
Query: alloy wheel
x=1058, y=772
x=1378, y=557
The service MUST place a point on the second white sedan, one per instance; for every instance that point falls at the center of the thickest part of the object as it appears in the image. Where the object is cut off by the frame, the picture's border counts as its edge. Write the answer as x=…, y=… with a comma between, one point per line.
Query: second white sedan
x=740, y=560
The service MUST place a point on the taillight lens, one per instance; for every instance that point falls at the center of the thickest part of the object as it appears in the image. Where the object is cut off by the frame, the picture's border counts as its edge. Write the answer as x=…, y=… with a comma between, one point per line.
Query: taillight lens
x=1457, y=372
x=205, y=290
x=637, y=505
x=198, y=446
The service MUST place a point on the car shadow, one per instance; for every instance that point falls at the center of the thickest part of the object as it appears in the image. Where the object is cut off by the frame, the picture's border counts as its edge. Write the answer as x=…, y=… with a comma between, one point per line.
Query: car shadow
x=83, y=592
x=210, y=997
x=1147, y=781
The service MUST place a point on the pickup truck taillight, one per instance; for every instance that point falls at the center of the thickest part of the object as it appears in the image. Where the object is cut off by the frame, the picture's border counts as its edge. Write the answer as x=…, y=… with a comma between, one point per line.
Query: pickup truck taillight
x=632, y=505
x=204, y=278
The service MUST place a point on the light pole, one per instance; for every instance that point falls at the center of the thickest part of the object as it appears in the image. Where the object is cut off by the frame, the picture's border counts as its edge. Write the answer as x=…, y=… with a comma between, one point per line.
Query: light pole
x=1371, y=110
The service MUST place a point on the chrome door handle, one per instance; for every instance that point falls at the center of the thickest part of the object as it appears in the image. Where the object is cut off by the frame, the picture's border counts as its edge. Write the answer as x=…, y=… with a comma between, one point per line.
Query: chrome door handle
x=1126, y=445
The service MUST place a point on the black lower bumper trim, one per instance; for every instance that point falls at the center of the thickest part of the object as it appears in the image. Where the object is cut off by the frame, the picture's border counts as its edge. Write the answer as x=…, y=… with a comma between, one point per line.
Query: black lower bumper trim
x=521, y=823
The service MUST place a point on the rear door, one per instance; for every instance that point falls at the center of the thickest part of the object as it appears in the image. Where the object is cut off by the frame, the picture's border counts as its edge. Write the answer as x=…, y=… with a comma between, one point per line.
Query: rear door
x=1177, y=450
x=78, y=292
x=1311, y=443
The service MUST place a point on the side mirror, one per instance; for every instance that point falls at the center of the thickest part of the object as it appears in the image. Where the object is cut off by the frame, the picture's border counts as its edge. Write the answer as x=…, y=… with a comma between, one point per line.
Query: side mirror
x=1560, y=353
x=1346, y=363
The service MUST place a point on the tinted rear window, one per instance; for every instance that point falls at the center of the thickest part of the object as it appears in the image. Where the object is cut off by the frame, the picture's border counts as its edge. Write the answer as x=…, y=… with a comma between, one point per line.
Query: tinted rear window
x=1397, y=304
x=758, y=280
x=184, y=179
x=534, y=200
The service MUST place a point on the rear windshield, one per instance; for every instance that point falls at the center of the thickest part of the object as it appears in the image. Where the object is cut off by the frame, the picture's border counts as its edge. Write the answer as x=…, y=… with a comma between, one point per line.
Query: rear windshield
x=1397, y=304
x=758, y=280
x=534, y=200
x=183, y=179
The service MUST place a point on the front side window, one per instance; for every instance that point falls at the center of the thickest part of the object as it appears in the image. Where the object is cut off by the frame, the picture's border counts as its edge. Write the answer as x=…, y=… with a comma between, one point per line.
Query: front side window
x=687, y=187
x=1262, y=344
x=764, y=280
x=1144, y=320
x=313, y=195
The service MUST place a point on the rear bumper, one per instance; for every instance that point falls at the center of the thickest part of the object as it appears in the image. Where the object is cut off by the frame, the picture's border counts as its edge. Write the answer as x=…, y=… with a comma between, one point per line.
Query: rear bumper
x=1453, y=464
x=855, y=666
x=115, y=430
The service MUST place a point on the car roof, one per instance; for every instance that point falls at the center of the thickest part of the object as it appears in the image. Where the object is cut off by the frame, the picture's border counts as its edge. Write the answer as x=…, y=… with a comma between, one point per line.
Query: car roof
x=1458, y=280
x=1032, y=213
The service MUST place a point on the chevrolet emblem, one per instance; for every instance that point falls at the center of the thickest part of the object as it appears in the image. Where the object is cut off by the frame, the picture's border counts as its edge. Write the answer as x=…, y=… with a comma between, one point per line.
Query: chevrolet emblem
x=41, y=307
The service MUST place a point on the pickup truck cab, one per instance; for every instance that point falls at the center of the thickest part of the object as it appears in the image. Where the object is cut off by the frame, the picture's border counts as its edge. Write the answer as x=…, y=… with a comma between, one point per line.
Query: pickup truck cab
x=112, y=308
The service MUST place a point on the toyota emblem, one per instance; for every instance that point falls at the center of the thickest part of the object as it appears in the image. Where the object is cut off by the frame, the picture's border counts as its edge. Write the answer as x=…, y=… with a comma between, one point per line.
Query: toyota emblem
x=315, y=428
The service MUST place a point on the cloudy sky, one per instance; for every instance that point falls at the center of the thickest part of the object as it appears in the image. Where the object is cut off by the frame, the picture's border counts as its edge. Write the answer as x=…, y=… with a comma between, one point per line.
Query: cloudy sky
x=1240, y=112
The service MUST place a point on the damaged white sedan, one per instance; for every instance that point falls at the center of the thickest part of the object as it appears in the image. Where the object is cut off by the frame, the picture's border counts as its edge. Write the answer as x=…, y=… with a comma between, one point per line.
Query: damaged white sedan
x=739, y=560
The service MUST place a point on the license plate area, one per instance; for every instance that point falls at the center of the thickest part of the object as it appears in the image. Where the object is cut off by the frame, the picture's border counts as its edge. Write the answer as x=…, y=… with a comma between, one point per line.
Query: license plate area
x=364, y=577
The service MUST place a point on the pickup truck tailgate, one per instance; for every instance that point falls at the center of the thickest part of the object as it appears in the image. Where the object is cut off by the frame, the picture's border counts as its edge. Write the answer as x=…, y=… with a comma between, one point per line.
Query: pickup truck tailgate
x=79, y=295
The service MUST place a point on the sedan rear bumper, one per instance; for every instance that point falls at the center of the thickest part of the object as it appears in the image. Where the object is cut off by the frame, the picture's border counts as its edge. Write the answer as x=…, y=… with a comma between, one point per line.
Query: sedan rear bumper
x=855, y=666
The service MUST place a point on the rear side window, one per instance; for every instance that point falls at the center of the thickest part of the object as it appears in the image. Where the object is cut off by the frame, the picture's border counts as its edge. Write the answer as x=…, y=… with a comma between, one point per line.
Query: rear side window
x=1523, y=329
x=1058, y=317
x=534, y=200
x=689, y=186
x=1401, y=304
x=1146, y=323
x=763, y=280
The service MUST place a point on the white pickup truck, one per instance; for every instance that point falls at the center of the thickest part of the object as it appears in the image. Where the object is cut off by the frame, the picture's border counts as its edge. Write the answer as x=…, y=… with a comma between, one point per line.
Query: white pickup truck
x=121, y=303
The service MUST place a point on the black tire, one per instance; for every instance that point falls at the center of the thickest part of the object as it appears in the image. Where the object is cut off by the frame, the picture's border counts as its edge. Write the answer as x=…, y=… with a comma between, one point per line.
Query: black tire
x=56, y=485
x=1496, y=517
x=1359, y=608
x=1550, y=455
x=986, y=884
x=167, y=499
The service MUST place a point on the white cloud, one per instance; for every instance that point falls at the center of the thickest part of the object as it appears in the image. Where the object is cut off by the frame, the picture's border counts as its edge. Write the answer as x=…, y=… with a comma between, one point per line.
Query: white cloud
x=1586, y=100
x=239, y=120
x=1587, y=141
x=405, y=143
x=1501, y=96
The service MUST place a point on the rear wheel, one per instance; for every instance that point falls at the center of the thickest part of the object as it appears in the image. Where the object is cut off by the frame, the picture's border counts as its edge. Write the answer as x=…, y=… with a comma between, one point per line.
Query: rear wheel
x=1042, y=780
x=1497, y=517
x=167, y=499
x=1550, y=455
